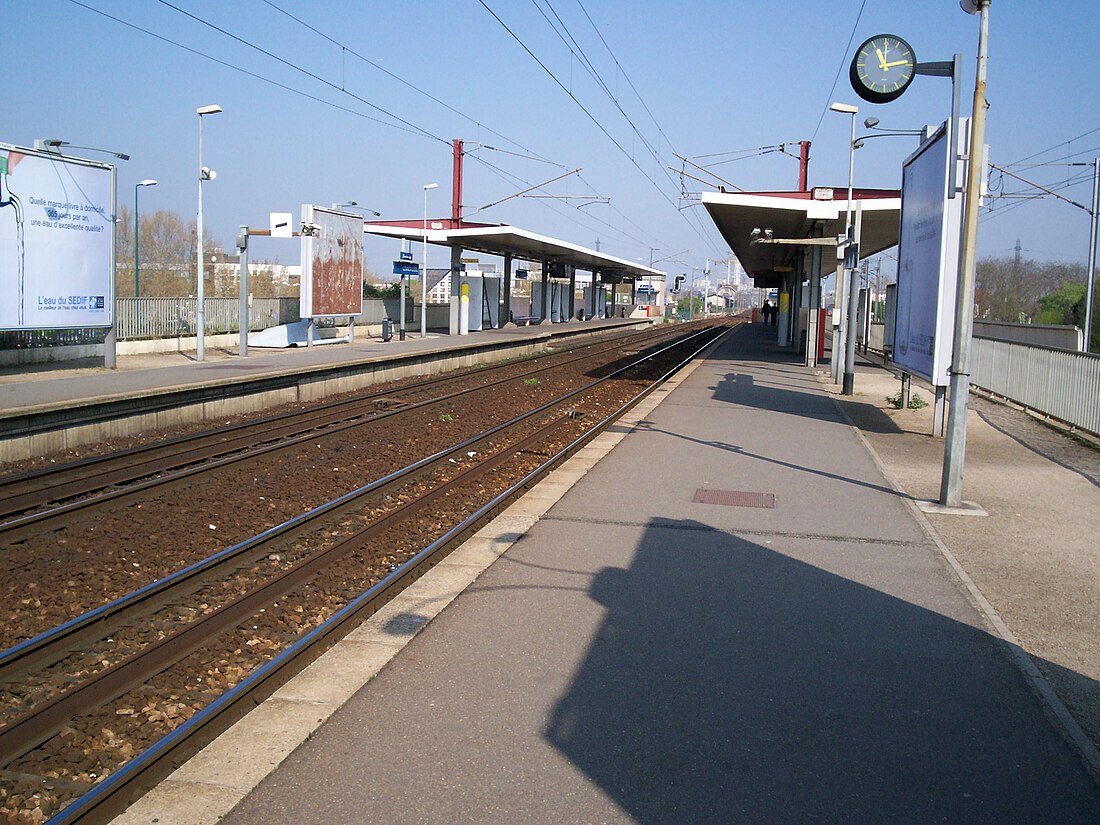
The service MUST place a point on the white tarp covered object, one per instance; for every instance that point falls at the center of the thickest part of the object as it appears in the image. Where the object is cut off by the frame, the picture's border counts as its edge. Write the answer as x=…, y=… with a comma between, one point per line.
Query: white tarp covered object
x=294, y=335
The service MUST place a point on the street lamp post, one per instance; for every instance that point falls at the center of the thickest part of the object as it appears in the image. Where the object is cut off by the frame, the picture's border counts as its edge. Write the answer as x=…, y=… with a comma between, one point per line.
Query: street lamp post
x=138, y=185
x=424, y=269
x=848, y=387
x=204, y=174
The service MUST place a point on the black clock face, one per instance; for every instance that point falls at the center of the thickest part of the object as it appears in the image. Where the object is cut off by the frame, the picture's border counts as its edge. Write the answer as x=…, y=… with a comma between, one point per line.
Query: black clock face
x=882, y=68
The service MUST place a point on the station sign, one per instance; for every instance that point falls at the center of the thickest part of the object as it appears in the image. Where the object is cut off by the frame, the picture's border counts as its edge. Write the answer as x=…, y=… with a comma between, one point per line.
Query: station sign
x=406, y=269
x=406, y=256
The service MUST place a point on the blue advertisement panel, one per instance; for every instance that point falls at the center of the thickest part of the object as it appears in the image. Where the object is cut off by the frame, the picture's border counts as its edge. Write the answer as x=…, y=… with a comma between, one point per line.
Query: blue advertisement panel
x=57, y=240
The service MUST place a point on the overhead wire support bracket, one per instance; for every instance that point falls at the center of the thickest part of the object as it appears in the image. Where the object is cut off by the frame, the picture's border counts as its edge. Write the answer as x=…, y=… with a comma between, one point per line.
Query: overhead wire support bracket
x=530, y=189
x=1004, y=171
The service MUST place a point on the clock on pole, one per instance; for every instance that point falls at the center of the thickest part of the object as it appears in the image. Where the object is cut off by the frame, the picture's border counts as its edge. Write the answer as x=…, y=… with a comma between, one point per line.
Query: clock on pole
x=882, y=68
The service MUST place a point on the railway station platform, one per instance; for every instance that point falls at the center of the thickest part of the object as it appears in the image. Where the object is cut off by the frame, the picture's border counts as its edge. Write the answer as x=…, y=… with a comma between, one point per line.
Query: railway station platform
x=726, y=609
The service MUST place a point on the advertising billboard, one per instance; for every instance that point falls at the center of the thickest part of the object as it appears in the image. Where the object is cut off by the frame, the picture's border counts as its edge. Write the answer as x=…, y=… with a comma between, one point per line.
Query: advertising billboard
x=332, y=263
x=928, y=262
x=57, y=241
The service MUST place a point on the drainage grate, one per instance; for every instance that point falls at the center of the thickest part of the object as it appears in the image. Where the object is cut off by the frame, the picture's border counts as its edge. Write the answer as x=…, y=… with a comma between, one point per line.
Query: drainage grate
x=734, y=498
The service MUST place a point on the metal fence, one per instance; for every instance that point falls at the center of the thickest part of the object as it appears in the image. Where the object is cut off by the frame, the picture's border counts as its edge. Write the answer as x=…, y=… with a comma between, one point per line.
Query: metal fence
x=168, y=317
x=151, y=318
x=1059, y=383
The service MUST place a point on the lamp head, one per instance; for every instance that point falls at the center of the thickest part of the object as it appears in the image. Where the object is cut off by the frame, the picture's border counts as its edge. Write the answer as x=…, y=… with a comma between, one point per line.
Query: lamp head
x=147, y=182
x=843, y=108
x=431, y=186
x=870, y=123
x=212, y=109
x=206, y=173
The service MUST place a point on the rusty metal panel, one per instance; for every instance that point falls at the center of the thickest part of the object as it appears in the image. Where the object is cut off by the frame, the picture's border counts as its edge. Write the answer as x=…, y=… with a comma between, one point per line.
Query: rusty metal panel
x=734, y=498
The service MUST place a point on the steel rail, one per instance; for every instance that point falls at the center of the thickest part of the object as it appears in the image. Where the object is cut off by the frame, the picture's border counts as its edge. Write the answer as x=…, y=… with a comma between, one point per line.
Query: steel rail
x=118, y=790
x=44, y=720
x=26, y=653
x=13, y=529
x=19, y=493
x=57, y=642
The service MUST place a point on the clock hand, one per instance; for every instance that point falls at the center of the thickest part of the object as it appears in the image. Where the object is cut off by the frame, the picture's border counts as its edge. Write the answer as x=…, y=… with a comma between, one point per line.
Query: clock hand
x=894, y=63
x=881, y=58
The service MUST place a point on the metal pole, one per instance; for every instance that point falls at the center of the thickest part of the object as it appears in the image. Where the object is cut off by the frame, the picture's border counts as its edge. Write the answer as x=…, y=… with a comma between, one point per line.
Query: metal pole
x=200, y=319
x=1090, y=268
x=706, y=288
x=137, y=284
x=836, y=357
x=853, y=285
x=404, y=289
x=424, y=267
x=954, y=456
x=110, y=341
x=691, y=295
x=956, y=83
x=242, y=307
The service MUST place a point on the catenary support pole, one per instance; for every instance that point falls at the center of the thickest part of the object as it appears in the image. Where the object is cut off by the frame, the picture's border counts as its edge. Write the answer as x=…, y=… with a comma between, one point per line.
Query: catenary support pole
x=951, y=482
x=1090, y=267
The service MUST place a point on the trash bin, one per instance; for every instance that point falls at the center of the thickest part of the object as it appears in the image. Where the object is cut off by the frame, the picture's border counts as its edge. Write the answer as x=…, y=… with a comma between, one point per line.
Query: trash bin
x=387, y=329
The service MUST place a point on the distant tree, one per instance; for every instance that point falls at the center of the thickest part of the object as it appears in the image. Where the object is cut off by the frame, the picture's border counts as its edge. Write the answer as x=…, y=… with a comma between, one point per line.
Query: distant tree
x=1009, y=290
x=167, y=255
x=380, y=290
x=263, y=282
x=1064, y=306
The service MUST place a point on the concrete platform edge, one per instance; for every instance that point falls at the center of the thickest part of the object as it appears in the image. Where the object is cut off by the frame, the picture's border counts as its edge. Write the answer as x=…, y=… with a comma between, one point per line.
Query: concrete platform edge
x=207, y=787
x=1052, y=704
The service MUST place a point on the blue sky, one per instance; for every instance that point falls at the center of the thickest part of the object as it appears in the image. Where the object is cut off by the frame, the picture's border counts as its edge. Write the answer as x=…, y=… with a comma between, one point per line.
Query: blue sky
x=710, y=77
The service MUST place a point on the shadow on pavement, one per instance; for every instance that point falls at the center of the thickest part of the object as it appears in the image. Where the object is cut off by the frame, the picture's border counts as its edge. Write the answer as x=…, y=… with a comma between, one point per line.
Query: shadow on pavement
x=732, y=683
x=775, y=379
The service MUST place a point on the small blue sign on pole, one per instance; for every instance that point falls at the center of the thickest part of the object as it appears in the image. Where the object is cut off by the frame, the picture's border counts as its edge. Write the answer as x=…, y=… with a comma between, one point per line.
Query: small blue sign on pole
x=404, y=268
x=406, y=256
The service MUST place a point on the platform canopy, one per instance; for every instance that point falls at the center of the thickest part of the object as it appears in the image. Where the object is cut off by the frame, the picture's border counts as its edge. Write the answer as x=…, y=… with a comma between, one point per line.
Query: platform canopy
x=819, y=212
x=502, y=239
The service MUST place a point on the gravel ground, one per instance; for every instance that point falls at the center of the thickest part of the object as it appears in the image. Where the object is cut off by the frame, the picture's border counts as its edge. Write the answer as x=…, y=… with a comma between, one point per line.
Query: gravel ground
x=1036, y=556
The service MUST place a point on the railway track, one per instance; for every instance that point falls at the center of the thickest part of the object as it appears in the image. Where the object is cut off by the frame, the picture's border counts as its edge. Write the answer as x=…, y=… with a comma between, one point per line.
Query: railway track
x=106, y=537
x=264, y=607
x=45, y=487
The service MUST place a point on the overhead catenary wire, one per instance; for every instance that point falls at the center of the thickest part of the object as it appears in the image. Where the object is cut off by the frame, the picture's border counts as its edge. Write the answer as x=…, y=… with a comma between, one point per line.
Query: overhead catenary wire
x=413, y=131
x=1055, y=146
x=840, y=68
x=254, y=75
x=297, y=68
x=572, y=42
x=531, y=154
x=404, y=82
x=409, y=127
x=586, y=111
x=618, y=65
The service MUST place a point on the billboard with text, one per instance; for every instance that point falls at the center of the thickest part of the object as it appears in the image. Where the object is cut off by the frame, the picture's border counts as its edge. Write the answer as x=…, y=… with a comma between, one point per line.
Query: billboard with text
x=57, y=240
